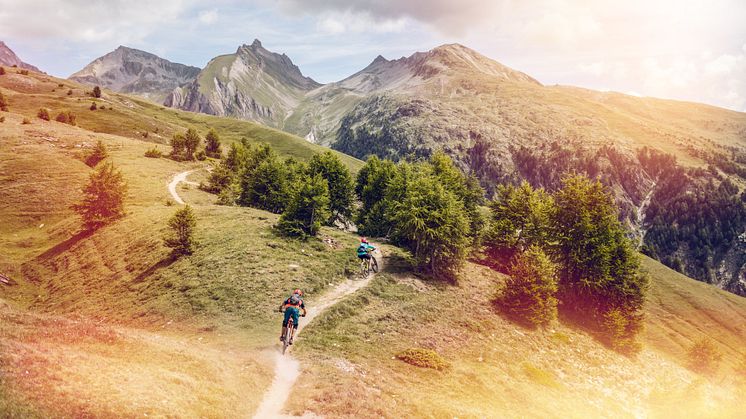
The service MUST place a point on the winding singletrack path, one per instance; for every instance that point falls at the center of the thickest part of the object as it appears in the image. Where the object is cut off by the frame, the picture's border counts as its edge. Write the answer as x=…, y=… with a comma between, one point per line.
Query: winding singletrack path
x=180, y=177
x=287, y=368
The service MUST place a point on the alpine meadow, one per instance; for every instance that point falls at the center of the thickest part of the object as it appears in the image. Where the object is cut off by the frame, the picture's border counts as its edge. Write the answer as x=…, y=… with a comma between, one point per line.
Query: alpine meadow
x=451, y=237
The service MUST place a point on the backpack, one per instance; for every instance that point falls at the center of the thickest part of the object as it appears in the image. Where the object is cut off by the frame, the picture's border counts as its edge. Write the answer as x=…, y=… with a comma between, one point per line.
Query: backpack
x=294, y=299
x=363, y=249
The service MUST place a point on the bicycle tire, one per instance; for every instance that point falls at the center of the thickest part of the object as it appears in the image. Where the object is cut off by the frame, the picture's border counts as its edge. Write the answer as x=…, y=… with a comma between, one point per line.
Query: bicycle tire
x=374, y=264
x=288, y=334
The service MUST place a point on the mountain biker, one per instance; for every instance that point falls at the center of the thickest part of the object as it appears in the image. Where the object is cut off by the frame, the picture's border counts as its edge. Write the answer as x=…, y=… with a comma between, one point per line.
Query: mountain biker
x=363, y=251
x=292, y=306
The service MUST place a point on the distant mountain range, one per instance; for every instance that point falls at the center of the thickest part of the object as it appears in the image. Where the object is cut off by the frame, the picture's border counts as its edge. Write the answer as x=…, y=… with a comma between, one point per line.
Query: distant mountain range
x=498, y=124
x=128, y=70
x=9, y=58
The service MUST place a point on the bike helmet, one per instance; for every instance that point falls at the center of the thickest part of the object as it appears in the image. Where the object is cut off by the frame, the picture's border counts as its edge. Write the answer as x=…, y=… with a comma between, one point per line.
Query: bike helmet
x=299, y=292
x=363, y=240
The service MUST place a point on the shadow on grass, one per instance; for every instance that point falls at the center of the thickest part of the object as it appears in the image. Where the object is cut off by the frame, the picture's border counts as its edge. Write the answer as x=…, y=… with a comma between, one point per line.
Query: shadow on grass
x=64, y=246
x=163, y=263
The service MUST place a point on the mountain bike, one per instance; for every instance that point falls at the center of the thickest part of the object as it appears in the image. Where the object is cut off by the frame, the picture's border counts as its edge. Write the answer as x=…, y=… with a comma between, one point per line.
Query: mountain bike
x=288, y=335
x=367, y=265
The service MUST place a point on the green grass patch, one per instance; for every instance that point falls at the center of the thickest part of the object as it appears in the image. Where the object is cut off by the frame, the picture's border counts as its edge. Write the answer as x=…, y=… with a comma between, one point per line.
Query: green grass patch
x=423, y=358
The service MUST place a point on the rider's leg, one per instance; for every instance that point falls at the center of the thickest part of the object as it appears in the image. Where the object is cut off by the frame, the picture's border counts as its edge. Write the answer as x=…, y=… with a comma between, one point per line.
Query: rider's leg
x=284, y=331
x=285, y=324
x=295, y=326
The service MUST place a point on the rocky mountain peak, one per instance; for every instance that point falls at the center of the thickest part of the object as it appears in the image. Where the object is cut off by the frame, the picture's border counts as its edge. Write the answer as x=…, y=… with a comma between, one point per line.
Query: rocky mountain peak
x=9, y=58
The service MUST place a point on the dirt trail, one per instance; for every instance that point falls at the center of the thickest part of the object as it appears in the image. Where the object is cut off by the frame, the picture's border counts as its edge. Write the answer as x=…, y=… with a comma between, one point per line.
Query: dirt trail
x=180, y=177
x=287, y=368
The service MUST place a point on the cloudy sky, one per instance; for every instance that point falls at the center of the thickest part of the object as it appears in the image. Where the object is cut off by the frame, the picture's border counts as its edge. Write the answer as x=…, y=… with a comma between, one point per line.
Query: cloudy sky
x=680, y=49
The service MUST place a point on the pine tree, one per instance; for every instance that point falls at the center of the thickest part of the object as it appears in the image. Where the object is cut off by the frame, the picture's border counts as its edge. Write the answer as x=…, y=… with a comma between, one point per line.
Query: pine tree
x=307, y=209
x=371, y=186
x=103, y=197
x=182, y=225
x=340, y=184
x=520, y=217
x=530, y=291
x=177, y=146
x=191, y=143
x=43, y=113
x=212, y=144
x=267, y=188
x=98, y=153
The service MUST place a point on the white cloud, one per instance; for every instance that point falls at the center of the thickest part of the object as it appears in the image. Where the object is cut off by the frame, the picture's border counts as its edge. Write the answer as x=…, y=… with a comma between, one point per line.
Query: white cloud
x=208, y=17
x=334, y=23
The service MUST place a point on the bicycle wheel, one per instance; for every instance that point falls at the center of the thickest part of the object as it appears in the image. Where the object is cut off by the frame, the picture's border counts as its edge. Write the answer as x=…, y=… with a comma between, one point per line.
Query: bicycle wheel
x=288, y=334
x=363, y=269
x=374, y=264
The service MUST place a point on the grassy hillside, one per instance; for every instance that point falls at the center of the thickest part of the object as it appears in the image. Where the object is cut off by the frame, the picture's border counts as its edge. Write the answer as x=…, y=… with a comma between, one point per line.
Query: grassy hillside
x=107, y=325
x=496, y=366
x=132, y=117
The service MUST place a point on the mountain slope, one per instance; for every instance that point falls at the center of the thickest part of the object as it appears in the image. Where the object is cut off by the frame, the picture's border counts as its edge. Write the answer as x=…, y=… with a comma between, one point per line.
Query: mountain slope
x=253, y=84
x=105, y=324
x=128, y=70
x=9, y=58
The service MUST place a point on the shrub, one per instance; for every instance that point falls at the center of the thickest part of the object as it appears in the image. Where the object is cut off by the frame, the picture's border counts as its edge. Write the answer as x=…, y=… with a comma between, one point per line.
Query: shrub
x=66, y=117
x=70, y=92
x=23, y=72
x=182, y=225
x=103, y=197
x=617, y=327
x=530, y=291
x=93, y=106
x=212, y=144
x=60, y=85
x=370, y=187
x=153, y=153
x=423, y=358
x=25, y=121
x=145, y=134
x=43, y=113
x=3, y=103
x=98, y=153
x=540, y=376
x=2, y=119
x=96, y=92
x=2, y=71
x=703, y=356
x=340, y=184
x=308, y=207
x=200, y=155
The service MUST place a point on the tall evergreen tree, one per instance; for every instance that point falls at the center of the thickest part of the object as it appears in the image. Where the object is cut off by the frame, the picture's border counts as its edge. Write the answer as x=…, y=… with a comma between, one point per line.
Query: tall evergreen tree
x=181, y=237
x=192, y=141
x=103, y=197
x=308, y=208
x=96, y=155
x=340, y=184
x=212, y=144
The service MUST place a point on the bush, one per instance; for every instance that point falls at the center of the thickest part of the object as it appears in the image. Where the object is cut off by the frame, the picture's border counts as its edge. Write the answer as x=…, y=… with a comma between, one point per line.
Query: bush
x=43, y=113
x=66, y=117
x=153, y=153
x=200, y=155
x=177, y=146
x=620, y=330
x=145, y=134
x=70, y=92
x=212, y=144
x=60, y=85
x=23, y=72
x=96, y=92
x=98, y=153
x=520, y=217
x=93, y=106
x=3, y=103
x=182, y=225
x=2, y=71
x=703, y=357
x=530, y=291
x=25, y=121
x=267, y=186
x=2, y=119
x=308, y=207
x=103, y=197
x=423, y=358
